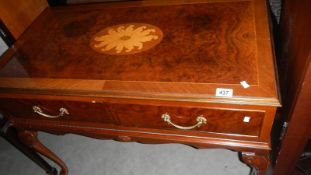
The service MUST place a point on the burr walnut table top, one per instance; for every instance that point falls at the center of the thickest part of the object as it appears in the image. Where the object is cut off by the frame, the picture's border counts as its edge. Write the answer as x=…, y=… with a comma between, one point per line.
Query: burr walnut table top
x=196, y=72
x=175, y=50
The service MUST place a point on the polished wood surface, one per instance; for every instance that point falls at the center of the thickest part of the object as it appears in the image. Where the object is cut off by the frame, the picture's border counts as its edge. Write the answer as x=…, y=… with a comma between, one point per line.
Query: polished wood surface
x=142, y=115
x=190, y=61
x=227, y=54
x=19, y=14
x=299, y=130
x=81, y=111
x=260, y=162
x=117, y=78
x=296, y=52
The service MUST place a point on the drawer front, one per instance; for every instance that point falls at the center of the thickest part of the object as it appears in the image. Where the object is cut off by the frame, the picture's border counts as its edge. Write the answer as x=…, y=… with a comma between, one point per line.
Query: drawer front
x=51, y=109
x=227, y=121
x=217, y=120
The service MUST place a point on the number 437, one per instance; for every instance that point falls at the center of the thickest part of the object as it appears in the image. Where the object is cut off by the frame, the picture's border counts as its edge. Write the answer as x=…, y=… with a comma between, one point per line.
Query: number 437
x=221, y=92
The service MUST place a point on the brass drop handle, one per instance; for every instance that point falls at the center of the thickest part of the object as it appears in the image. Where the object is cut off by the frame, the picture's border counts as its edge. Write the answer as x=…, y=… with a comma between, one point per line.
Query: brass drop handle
x=62, y=112
x=200, y=119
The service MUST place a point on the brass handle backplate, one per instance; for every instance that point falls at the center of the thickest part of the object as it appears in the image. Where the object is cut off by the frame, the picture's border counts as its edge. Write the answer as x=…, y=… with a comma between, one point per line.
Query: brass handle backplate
x=62, y=112
x=200, y=119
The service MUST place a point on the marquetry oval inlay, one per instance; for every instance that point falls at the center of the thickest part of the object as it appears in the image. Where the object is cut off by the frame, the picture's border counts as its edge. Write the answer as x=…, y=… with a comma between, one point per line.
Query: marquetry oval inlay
x=126, y=39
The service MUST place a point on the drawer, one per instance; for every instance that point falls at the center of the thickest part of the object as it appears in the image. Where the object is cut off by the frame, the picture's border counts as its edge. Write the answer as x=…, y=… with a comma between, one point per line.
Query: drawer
x=229, y=121
x=77, y=111
x=213, y=120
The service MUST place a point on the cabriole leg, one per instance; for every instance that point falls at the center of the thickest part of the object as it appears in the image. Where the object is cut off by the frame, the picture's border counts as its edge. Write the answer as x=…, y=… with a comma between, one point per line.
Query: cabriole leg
x=258, y=162
x=30, y=138
x=9, y=133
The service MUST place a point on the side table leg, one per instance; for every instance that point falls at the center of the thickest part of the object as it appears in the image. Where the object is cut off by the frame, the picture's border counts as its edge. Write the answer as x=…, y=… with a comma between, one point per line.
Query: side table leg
x=10, y=134
x=30, y=138
x=258, y=163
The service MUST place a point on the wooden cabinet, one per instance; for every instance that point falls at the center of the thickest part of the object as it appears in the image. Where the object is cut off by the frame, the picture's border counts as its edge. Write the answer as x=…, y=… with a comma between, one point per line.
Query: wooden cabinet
x=296, y=54
x=200, y=73
x=18, y=14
